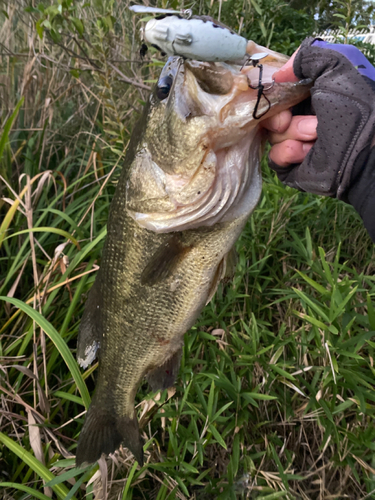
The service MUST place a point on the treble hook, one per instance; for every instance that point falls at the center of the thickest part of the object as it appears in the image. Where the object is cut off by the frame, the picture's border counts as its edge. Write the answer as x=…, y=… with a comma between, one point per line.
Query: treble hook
x=260, y=87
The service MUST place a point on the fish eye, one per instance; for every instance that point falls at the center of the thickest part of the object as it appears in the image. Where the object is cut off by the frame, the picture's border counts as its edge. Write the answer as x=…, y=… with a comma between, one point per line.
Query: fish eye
x=164, y=87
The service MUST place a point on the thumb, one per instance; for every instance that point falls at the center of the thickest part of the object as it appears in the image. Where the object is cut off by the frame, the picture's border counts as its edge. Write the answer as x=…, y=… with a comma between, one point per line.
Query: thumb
x=286, y=73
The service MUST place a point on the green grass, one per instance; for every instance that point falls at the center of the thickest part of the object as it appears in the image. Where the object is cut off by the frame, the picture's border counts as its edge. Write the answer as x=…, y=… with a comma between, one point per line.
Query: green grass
x=275, y=397
x=276, y=387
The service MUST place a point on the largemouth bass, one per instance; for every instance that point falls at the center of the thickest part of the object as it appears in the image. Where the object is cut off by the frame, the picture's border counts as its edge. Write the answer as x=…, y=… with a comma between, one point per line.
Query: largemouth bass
x=190, y=181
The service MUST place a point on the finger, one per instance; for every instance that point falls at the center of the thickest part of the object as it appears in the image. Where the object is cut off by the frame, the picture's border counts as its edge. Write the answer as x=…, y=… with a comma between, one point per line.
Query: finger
x=301, y=128
x=278, y=123
x=290, y=151
x=286, y=73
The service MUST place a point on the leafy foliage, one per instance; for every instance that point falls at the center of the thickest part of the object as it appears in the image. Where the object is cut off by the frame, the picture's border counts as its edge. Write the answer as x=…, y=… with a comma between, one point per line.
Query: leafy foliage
x=275, y=397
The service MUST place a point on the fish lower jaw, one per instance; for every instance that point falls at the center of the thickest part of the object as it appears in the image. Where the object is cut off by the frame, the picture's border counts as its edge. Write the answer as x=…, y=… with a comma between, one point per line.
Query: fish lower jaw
x=218, y=192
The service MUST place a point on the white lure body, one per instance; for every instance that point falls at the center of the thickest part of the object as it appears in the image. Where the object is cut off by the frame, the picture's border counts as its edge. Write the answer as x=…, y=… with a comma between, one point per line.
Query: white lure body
x=195, y=39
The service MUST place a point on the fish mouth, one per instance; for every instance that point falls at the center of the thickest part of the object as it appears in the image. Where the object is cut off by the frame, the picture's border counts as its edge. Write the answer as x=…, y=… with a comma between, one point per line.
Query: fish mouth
x=212, y=195
x=227, y=182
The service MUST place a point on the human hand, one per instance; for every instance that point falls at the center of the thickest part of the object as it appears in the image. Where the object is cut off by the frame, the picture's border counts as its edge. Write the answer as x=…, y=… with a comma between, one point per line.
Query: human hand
x=324, y=154
x=291, y=137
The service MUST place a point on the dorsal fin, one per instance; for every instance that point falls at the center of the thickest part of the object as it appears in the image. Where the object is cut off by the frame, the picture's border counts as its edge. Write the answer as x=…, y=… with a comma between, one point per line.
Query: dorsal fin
x=90, y=330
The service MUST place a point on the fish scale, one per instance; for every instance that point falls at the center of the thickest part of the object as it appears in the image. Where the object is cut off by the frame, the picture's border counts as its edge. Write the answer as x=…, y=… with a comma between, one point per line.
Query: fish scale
x=153, y=283
x=139, y=333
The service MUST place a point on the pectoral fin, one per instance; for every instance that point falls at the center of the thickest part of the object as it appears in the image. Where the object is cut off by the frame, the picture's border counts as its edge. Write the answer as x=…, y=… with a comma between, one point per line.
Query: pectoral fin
x=225, y=270
x=165, y=375
x=164, y=262
x=90, y=331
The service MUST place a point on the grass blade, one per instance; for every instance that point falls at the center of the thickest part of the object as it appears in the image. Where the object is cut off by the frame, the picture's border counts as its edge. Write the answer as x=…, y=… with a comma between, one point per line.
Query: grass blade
x=54, y=230
x=26, y=489
x=42, y=471
x=59, y=343
x=9, y=216
x=8, y=126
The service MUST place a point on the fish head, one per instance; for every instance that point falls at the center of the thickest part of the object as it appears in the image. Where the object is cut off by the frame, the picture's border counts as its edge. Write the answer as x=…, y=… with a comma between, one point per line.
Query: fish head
x=196, y=161
x=177, y=127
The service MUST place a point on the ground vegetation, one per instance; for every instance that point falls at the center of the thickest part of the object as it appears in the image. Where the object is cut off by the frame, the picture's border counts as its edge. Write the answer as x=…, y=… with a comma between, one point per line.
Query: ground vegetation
x=276, y=395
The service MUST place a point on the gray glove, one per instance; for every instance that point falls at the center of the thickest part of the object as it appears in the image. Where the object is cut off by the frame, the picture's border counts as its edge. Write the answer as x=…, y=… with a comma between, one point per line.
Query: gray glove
x=341, y=162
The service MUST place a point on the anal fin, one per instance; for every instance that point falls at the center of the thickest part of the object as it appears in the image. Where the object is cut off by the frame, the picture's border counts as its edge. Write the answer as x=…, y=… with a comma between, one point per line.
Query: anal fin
x=165, y=375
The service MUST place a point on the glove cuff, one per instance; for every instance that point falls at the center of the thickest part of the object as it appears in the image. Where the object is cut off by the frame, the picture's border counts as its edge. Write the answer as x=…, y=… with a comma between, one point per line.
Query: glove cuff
x=361, y=195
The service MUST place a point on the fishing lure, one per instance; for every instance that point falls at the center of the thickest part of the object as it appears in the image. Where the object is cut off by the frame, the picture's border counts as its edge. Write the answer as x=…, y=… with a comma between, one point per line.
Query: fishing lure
x=178, y=33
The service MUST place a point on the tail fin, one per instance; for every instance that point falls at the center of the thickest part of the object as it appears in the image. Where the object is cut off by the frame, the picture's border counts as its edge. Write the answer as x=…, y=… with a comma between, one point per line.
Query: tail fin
x=103, y=432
